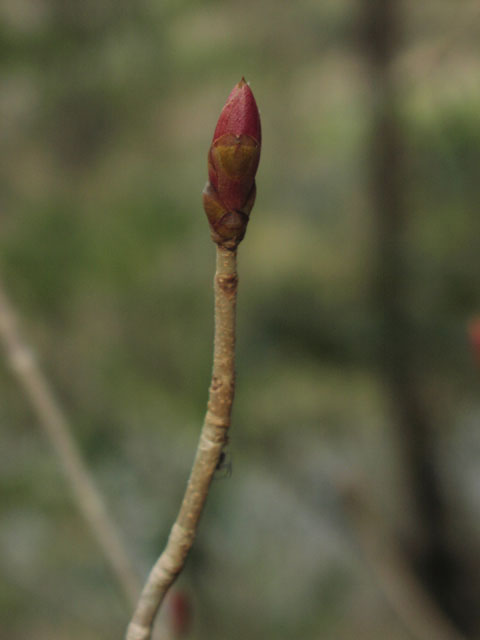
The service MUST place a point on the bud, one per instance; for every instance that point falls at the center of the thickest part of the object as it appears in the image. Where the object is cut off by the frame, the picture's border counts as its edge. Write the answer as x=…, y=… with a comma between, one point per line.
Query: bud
x=233, y=159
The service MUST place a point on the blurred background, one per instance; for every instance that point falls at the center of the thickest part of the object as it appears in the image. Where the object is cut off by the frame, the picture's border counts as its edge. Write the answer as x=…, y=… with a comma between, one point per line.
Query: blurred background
x=358, y=395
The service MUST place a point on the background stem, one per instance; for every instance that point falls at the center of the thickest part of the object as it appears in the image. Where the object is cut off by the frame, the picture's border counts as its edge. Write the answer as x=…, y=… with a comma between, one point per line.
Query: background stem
x=57, y=428
x=433, y=554
x=213, y=439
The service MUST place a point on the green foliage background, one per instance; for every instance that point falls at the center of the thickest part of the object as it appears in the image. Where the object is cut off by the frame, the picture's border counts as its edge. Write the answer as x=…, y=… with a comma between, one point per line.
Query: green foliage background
x=107, y=112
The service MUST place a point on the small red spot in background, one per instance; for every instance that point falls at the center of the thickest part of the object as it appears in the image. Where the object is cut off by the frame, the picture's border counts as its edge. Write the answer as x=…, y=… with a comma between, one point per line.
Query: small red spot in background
x=474, y=335
x=180, y=613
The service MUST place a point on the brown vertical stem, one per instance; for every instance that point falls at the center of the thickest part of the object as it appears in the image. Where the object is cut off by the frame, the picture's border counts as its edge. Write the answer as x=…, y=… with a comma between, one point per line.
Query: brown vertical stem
x=213, y=438
x=57, y=428
x=433, y=555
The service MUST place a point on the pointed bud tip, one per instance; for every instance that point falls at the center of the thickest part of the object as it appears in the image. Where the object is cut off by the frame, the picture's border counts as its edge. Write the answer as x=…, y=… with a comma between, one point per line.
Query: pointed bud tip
x=239, y=115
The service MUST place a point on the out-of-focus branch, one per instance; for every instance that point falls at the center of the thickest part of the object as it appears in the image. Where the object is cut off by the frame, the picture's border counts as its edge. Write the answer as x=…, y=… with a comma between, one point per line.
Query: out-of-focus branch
x=58, y=431
x=407, y=597
x=432, y=553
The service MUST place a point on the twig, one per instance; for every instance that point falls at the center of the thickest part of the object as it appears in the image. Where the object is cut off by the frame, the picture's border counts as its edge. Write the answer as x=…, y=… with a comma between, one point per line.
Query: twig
x=55, y=424
x=213, y=438
x=228, y=199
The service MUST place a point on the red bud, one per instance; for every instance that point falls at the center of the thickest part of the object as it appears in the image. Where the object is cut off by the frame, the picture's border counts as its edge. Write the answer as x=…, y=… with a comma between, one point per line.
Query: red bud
x=232, y=164
x=240, y=114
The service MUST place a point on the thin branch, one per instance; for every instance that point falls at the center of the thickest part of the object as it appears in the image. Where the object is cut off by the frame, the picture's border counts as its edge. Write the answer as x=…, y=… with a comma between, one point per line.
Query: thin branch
x=213, y=439
x=57, y=428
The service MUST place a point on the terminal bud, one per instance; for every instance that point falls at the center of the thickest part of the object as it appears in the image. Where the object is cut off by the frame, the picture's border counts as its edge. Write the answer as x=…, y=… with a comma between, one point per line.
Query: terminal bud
x=233, y=160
